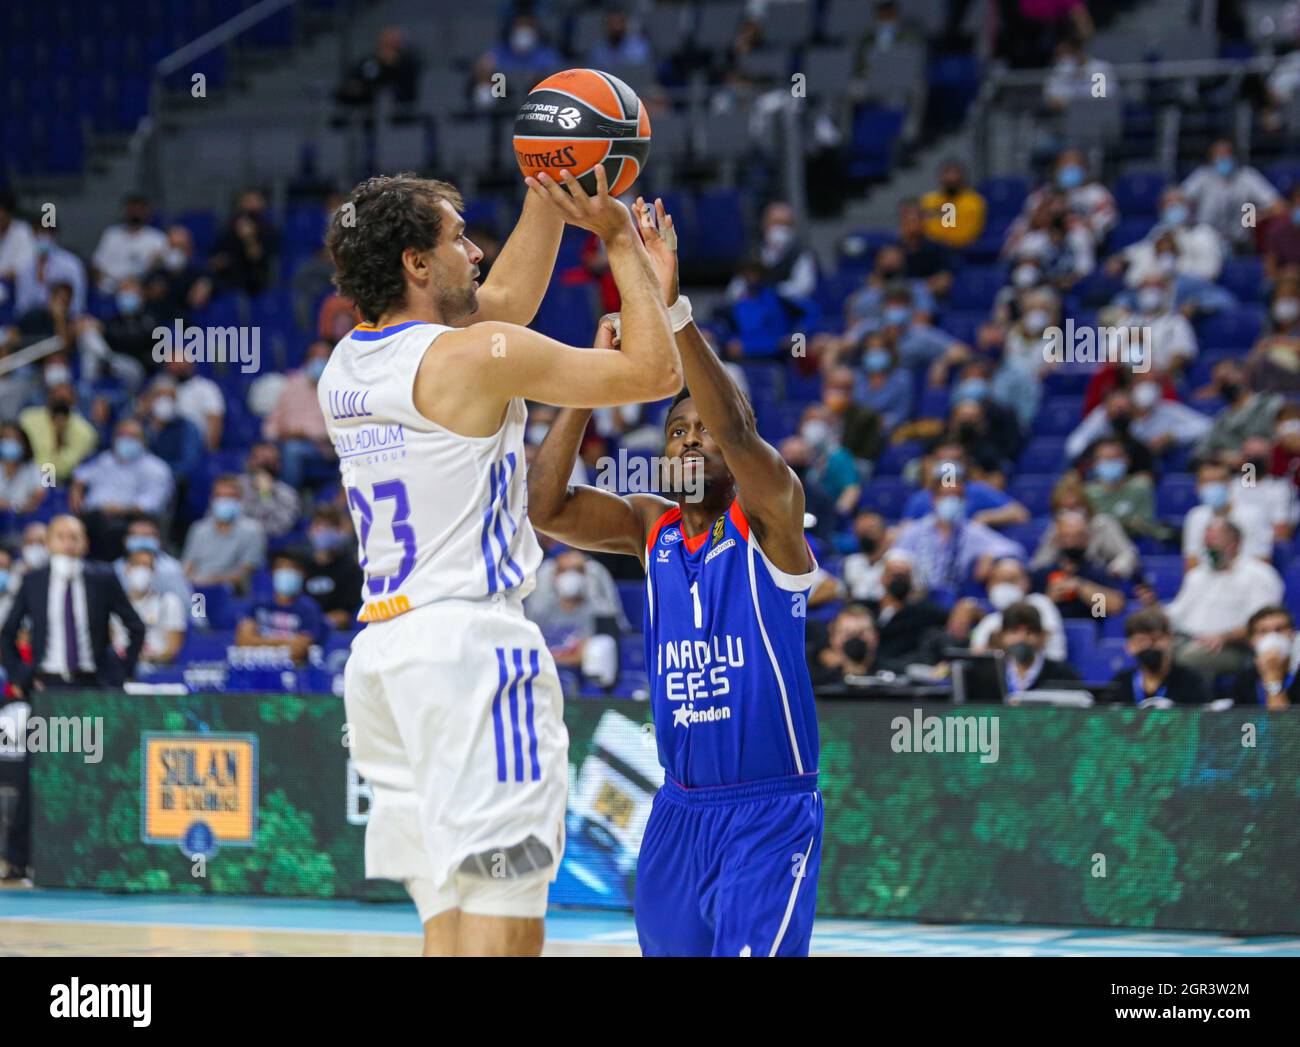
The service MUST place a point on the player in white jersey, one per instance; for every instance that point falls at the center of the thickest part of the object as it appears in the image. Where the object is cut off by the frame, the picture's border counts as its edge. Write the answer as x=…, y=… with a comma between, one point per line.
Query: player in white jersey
x=453, y=703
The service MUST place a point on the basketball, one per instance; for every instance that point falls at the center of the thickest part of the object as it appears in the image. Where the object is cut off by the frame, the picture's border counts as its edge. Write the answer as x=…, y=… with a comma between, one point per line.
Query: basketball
x=581, y=118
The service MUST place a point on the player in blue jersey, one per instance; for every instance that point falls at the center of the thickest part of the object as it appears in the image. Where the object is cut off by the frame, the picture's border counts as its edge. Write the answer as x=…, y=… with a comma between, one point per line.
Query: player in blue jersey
x=729, y=861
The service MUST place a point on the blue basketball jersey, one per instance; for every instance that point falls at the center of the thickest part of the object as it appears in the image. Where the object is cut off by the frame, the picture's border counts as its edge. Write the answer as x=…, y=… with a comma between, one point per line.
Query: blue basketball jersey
x=724, y=633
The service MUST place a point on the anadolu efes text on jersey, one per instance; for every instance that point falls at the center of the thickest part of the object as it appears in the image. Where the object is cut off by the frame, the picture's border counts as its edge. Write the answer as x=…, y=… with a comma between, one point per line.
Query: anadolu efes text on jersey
x=730, y=689
x=437, y=515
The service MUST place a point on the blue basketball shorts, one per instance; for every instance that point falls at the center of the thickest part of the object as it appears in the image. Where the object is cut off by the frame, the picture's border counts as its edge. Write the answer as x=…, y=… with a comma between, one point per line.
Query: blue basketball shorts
x=730, y=870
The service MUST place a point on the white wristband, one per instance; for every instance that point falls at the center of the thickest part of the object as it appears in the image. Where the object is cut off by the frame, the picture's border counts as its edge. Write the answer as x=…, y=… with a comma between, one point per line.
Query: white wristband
x=679, y=313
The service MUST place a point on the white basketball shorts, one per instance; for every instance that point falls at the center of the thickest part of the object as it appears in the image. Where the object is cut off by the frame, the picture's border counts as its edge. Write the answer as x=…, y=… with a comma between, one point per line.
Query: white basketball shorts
x=455, y=718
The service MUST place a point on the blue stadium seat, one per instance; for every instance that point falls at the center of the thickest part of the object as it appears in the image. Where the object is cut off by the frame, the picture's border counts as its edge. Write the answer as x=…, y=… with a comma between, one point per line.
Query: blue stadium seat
x=1042, y=454
x=896, y=456
x=1107, y=658
x=1137, y=193
x=1165, y=574
x=886, y=495
x=1080, y=639
x=1128, y=232
x=1244, y=277
x=1028, y=534
x=632, y=597
x=871, y=147
x=1176, y=495
x=1232, y=328
x=631, y=653
x=1283, y=176
x=209, y=646
x=1004, y=195
x=1059, y=416
x=975, y=287
x=1034, y=491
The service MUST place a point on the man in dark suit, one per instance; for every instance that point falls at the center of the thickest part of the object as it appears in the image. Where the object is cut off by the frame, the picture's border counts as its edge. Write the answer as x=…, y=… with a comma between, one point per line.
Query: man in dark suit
x=67, y=605
x=1023, y=639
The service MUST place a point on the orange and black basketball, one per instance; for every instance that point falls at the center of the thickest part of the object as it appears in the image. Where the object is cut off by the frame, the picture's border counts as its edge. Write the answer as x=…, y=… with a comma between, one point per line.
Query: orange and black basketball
x=581, y=118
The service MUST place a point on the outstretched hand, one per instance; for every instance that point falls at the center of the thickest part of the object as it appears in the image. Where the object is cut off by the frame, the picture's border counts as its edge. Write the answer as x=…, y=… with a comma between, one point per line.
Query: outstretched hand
x=660, y=239
x=602, y=214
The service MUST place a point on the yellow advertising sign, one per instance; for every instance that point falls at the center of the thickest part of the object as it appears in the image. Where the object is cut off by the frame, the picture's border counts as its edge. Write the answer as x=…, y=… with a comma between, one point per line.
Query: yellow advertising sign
x=198, y=790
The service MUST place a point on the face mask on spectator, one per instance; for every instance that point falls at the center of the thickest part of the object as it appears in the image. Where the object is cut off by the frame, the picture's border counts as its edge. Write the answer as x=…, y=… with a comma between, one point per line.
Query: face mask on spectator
x=1225, y=165
x=1215, y=495
x=899, y=587
x=64, y=566
x=4, y=579
x=1070, y=176
x=315, y=368
x=1215, y=558
x=971, y=389
x=1175, y=214
x=142, y=543
x=897, y=315
x=225, y=509
x=1004, y=594
x=57, y=374
x=950, y=508
x=1025, y=275
x=816, y=432
x=1285, y=310
x=325, y=539
x=1167, y=263
x=286, y=581
x=1273, y=643
x=173, y=259
x=856, y=649
x=1146, y=394
x=35, y=556
x=569, y=585
x=877, y=360
x=10, y=449
x=128, y=302
x=164, y=408
x=523, y=39
x=128, y=448
x=1035, y=321
x=138, y=578
x=1291, y=427
x=1110, y=470
x=1022, y=652
x=1151, y=299
x=1151, y=658
x=779, y=237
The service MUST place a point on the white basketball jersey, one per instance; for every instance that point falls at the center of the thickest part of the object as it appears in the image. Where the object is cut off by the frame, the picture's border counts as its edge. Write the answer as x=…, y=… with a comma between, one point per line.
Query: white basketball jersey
x=437, y=515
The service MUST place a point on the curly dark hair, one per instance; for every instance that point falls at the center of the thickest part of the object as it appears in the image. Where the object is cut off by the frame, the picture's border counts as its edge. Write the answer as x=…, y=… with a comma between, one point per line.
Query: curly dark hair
x=388, y=214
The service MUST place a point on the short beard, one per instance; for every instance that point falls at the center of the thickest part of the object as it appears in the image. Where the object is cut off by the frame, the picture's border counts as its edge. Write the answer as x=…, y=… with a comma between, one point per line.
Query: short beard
x=460, y=306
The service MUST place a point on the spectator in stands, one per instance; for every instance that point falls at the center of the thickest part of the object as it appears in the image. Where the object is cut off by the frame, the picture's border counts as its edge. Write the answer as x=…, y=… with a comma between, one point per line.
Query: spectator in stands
x=17, y=241
x=1029, y=339
x=1224, y=192
x=1108, y=548
x=200, y=400
x=923, y=258
x=525, y=50
x=1274, y=362
x=66, y=605
x=225, y=547
x=50, y=267
x=1245, y=413
x=35, y=551
x=917, y=342
x=904, y=612
x=122, y=480
x=333, y=577
x=1197, y=246
x=1149, y=641
x=1285, y=460
x=1008, y=583
x=246, y=251
x=287, y=617
x=1216, y=600
x=1217, y=489
x=393, y=68
x=888, y=30
x=1282, y=240
x=789, y=266
x=1089, y=205
x=1052, y=247
x=884, y=387
x=1078, y=587
x=1077, y=76
x=1121, y=493
x=144, y=535
x=296, y=421
x=956, y=633
x=171, y=437
x=265, y=497
x=1193, y=296
x=1023, y=639
x=849, y=650
x=337, y=316
x=987, y=432
x=1156, y=423
x=57, y=433
x=165, y=617
x=176, y=284
x=887, y=271
x=825, y=468
x=129, y=250
x=565, y=613
x=621, y=44
x=601, y=591
x=1271, y=681
x=857, y=428
x=986, y=504
x=1173, y=341
x=1274, y=497
x=862, y=570
x=756, y=315
x=955, y=212
x=22, y=487
x=948, y=549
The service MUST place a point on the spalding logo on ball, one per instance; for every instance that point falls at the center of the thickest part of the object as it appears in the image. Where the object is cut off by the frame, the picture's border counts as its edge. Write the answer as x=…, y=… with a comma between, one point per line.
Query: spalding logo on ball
x=579, y=119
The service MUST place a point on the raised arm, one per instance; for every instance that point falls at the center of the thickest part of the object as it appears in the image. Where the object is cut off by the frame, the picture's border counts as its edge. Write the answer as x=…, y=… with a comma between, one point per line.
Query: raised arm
x=769, y=492
x=585, y=517
x=514, y=288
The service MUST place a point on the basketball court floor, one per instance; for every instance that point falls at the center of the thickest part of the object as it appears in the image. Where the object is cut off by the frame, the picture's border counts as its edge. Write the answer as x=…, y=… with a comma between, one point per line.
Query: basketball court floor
x=75, y=923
